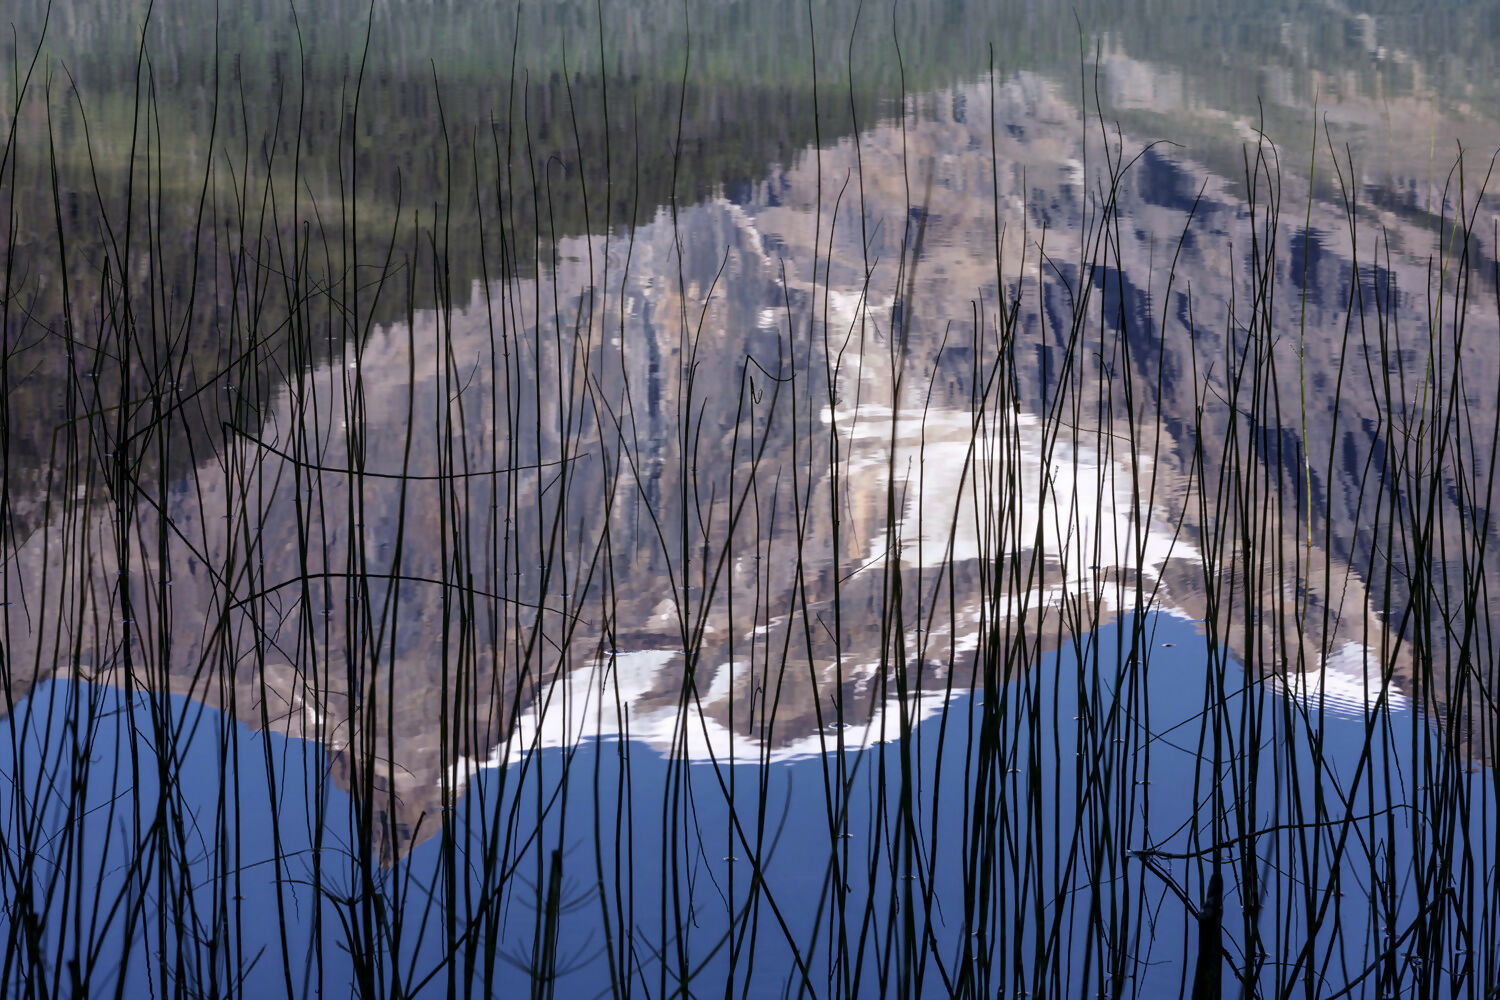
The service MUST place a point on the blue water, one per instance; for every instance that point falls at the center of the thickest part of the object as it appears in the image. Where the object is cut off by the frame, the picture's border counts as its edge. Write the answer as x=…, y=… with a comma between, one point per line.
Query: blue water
x=661, y=891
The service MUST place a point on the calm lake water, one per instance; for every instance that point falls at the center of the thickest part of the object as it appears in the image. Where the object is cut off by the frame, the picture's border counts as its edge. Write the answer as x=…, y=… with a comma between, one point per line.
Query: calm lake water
x=982, y=499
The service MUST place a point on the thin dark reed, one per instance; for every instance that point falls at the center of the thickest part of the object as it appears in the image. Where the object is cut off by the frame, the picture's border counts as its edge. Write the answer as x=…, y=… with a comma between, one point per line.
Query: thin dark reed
x=501, y=583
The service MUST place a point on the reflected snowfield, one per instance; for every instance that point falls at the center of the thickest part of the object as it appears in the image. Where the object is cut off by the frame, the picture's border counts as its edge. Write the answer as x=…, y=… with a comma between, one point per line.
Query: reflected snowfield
x=757, y=836
x=805, y=590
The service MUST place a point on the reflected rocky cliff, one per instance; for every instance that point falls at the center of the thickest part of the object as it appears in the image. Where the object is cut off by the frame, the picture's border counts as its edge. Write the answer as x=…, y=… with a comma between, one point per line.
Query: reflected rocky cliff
x=762, y=477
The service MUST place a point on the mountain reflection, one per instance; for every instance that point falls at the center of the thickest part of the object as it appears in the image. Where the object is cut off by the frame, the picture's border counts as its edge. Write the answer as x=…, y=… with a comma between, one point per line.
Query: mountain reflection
x=758, y=479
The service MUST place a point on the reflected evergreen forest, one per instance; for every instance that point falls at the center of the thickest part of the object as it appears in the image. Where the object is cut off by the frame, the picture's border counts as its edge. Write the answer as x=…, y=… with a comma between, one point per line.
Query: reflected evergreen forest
x=743, y=499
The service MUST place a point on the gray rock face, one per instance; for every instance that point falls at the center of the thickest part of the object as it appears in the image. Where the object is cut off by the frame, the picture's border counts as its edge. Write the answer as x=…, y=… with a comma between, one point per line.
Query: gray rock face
x=763, y=478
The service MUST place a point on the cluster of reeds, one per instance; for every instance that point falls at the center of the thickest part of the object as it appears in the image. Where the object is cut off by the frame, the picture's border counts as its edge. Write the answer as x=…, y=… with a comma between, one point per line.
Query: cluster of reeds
x=332, y=574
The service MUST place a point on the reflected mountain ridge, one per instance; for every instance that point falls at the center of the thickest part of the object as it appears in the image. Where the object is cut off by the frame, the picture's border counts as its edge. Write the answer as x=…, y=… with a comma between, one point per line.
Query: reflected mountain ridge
x=623, y=126
x=642, y=499
x=775, y=476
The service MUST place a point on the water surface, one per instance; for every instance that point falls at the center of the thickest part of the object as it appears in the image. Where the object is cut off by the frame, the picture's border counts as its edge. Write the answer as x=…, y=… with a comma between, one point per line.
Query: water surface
x=803, y=519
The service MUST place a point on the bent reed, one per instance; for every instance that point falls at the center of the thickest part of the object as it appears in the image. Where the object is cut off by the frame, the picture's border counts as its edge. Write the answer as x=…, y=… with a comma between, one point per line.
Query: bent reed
x=499, y=565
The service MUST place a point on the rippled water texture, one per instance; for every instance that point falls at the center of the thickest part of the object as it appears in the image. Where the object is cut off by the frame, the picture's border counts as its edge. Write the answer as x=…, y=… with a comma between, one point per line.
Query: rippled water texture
x=754, y=500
